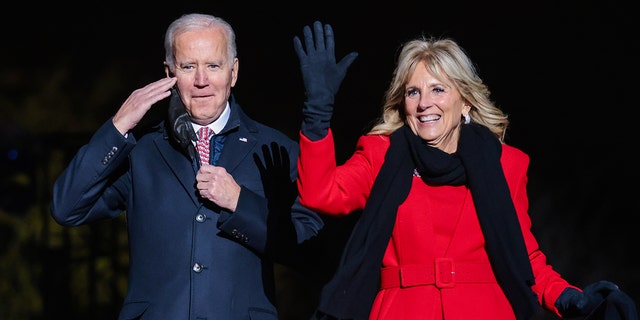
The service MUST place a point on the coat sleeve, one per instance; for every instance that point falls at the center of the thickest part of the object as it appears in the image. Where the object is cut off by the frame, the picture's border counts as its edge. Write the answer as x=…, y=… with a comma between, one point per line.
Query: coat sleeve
x=94, y=184
x=338, y=190
x=269, y=217
x=548, y=283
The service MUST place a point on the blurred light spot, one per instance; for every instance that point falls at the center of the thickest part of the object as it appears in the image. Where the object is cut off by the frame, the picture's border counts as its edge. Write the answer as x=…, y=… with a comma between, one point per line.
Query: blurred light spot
x=12, y=154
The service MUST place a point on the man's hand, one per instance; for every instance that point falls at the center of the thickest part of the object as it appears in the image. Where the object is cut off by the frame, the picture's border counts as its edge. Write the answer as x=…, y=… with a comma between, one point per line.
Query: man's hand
x=139, y=102
x=218, y=186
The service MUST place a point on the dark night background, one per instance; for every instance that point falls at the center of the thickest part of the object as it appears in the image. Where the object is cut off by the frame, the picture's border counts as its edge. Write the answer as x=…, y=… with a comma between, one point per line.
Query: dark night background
x=565, y=72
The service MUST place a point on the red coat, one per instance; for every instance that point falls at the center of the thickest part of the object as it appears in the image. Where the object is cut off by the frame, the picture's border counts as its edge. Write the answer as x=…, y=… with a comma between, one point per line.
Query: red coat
x=435, y=266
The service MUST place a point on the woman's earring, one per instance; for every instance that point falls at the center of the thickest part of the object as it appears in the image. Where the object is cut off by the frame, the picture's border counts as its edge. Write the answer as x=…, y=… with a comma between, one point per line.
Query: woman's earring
x=467, y=118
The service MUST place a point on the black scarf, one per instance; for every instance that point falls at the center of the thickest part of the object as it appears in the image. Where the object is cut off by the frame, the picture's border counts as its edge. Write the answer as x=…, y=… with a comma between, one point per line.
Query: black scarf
x=351, y=291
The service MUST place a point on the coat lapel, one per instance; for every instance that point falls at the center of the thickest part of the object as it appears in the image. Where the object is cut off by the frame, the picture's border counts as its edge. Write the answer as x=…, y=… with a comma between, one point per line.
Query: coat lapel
x=180, y=166
x=240, y=142
x=241, y=138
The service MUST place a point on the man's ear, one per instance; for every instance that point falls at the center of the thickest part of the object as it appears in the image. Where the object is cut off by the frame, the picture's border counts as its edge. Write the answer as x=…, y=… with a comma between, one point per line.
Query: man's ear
x=166, y=70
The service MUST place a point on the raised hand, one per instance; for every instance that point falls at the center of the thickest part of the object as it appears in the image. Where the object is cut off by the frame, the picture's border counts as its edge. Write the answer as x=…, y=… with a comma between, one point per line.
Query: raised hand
x=139, y=102
x=321, y=75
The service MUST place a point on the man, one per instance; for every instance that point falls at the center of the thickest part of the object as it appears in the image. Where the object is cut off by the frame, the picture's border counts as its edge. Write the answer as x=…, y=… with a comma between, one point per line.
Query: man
x=202, y=236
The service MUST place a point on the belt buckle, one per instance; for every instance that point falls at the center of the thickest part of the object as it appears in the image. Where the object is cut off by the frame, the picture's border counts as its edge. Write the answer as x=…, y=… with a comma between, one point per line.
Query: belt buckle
x=445, y=273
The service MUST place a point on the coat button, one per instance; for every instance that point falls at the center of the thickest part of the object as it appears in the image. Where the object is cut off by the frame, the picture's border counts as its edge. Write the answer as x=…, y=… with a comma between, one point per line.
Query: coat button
x=200, y=217
x=197, y=267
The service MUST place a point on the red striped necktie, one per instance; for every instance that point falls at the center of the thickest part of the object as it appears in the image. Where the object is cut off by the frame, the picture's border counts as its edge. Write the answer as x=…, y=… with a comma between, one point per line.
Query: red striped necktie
x=203, y=144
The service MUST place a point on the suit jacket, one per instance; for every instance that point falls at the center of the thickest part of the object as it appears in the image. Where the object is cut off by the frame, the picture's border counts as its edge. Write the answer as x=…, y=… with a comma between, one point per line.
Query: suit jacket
x=435, y=265
x=189, y=259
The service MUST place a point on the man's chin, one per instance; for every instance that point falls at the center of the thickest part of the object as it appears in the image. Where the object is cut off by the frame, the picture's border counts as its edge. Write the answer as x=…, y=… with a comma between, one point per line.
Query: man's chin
x=203, y=117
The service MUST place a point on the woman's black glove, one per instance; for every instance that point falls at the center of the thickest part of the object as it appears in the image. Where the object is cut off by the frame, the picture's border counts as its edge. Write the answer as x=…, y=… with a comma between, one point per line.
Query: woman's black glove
x=599, y=300
x=321, y=76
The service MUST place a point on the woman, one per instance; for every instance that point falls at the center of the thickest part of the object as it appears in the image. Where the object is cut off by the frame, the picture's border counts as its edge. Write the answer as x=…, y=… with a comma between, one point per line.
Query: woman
x=444, y=232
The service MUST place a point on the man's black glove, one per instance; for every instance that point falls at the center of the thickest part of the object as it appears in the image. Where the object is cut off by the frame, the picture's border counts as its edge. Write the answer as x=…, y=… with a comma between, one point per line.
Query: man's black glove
x=321, y=76
x=599, y=300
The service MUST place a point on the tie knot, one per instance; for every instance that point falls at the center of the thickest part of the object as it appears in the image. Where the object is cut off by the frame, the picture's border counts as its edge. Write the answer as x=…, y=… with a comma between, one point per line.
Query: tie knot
x=204, y=133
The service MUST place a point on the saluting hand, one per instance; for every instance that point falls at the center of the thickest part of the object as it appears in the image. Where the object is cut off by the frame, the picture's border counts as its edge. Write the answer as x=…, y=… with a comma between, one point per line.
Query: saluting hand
x=139, y=102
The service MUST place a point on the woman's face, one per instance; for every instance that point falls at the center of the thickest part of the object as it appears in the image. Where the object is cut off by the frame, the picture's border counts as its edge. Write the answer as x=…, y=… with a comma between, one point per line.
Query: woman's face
x=434, y=109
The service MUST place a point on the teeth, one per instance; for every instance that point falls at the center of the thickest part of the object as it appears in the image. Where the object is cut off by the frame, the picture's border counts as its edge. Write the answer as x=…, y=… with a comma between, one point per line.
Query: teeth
x=431, y=117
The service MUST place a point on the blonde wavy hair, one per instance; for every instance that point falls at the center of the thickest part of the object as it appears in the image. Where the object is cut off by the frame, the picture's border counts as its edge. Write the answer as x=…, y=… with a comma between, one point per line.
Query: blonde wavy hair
x=447, y=61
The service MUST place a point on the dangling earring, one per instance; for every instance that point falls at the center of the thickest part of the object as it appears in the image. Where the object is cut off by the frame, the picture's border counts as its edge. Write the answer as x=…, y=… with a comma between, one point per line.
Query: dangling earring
x=467, y=118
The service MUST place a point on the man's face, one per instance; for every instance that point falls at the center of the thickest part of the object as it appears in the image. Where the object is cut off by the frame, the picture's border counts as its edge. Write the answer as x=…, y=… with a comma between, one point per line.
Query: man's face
x=205, y=74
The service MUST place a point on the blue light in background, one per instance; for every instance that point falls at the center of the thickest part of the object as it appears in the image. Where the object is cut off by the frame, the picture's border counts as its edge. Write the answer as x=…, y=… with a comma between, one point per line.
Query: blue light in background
x=12, y=154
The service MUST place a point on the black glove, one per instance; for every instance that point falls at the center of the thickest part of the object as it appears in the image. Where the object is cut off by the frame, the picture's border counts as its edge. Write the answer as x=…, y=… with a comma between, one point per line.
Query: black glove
x=321, y=76
x=599, y=300
x=179, y=125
